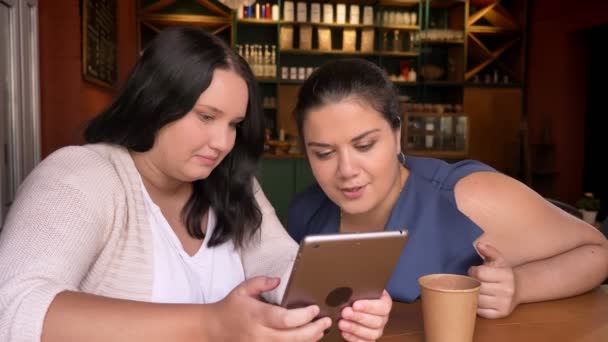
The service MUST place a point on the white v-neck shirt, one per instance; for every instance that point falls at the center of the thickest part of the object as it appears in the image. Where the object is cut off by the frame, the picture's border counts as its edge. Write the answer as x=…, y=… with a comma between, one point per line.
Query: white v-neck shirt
x=206, y=277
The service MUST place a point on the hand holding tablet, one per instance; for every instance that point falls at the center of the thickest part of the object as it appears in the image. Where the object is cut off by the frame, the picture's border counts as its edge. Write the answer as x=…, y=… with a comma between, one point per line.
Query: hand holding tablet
x=333, y=271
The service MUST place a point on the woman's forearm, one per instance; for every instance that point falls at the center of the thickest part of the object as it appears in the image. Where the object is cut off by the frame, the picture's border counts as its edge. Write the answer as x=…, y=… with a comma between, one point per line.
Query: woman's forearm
x=567, y=274
x=74, y=316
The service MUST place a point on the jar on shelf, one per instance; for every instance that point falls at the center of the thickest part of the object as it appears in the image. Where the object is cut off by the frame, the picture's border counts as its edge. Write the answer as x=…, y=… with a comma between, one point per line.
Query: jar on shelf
x=429, y=139
x=461, y=132
x=411, y=76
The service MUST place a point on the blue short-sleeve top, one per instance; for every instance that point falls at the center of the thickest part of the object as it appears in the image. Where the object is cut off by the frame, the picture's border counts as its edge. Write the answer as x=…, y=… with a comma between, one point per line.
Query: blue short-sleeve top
x=440, y=236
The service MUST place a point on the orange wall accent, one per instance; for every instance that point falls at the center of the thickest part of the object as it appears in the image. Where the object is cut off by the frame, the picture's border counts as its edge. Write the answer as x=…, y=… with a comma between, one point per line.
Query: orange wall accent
x=67, y=100
x=557, y=82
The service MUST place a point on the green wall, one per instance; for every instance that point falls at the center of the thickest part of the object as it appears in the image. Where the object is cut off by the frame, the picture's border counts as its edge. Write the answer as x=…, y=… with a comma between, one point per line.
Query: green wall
x=281, y=179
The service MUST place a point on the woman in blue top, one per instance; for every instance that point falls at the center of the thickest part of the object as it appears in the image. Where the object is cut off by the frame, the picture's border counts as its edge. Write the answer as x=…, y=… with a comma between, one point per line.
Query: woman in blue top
x=462, y=218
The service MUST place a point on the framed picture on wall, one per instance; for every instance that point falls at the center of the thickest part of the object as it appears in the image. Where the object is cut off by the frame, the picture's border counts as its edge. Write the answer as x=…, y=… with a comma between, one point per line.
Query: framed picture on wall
x=99, y=40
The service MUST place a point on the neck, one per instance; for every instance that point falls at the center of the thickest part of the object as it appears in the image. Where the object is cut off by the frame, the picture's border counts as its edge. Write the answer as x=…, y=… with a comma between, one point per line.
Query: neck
x=155, y=180
x=376, y=218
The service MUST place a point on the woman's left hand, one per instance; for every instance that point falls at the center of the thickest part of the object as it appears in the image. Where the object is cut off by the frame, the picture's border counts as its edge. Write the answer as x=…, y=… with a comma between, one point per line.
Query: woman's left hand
x=365, y=319
x=497, y=295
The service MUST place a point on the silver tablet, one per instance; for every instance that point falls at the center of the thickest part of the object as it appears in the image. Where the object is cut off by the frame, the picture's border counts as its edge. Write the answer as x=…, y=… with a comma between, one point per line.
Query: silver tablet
x=335, y=270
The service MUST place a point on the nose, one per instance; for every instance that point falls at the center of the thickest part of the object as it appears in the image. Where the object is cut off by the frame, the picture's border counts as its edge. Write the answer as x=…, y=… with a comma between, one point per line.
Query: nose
x=347, y=167
x=222, y=138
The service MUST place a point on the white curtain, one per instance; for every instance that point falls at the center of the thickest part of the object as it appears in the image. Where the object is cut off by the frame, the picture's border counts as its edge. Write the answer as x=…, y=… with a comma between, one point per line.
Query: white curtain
x=19, y=96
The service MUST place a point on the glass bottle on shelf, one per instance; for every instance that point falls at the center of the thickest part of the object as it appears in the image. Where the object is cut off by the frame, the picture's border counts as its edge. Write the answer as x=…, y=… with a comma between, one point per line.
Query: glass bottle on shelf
x=396, y=41
x=273, y=62
x=385, y=41
x=275, y=12
x=461, y=132
x=252, y=59
x=257, y=60
x=404, y=18
x=261, y=61
x=267, y=64
x=410, y=41
x=247, y=54
x=446, y=135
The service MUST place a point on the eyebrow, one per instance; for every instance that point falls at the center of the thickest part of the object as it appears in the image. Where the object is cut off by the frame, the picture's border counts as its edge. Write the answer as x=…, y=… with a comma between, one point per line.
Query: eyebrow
x=211, y=108
x=358, y=137
x=218, y=111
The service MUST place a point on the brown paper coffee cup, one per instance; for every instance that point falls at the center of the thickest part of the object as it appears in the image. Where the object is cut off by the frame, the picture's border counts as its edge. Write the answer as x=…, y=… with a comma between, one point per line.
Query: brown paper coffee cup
x=449, y=307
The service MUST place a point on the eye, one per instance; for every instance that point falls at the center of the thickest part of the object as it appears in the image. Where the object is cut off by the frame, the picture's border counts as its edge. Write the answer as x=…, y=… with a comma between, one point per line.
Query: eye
x=322, y=154
x=236, y=125
x=205, y=117
x=365, y=147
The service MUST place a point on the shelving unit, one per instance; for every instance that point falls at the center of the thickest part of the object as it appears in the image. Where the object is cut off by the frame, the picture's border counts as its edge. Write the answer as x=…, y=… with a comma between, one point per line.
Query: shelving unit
x=492, y=42
x=459, y=60
x=245, y=21
x=285, y=90
x=493, y=31
x=155, y=15
x=328, y=52
x=465, y=52
x=334, y=25
x=436, y=134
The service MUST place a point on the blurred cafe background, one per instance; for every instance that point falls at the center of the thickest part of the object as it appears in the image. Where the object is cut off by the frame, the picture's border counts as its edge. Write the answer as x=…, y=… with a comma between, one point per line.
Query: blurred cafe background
x=516, y=84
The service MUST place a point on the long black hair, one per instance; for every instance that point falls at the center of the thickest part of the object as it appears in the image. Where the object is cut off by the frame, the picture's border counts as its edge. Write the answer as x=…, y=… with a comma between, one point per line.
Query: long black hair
x=174, y=69
x=349, y=77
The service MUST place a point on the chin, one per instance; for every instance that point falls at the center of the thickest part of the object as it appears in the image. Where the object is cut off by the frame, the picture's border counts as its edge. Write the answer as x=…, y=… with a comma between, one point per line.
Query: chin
x=354, y=208
x=192, y=177
x=199, y=172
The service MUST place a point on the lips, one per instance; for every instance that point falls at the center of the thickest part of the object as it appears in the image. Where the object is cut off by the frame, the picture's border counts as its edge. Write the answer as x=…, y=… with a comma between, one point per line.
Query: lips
x=207, y=160
x=353, y=192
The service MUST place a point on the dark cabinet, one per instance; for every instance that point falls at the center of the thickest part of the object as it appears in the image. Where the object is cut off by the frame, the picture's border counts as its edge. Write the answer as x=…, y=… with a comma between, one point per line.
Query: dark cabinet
x=281, y=179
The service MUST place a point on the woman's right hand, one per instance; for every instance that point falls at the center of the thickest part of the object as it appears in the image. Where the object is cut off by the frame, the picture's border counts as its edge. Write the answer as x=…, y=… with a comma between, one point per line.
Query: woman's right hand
x=241, y=316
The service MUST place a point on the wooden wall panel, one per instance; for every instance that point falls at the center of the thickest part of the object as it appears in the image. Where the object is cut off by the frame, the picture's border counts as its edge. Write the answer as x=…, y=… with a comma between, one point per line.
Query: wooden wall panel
x=287, y=97
x=66, y=100
x=495, y=115
x=557, y=83
x=59, y=37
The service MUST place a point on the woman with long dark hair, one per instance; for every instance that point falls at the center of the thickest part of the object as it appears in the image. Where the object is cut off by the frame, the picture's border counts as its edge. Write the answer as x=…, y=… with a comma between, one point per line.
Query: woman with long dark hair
x=156, y=229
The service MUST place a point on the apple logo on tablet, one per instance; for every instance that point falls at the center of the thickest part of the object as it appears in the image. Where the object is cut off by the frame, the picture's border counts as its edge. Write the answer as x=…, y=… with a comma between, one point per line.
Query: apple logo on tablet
x=338, y=296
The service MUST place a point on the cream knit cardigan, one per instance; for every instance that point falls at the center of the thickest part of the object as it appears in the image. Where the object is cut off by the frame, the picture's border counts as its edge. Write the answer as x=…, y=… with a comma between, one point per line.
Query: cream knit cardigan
x=79, y=223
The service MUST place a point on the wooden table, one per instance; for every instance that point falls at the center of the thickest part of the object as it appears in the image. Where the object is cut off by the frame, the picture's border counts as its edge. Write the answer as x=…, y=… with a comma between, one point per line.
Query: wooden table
x=582, y=318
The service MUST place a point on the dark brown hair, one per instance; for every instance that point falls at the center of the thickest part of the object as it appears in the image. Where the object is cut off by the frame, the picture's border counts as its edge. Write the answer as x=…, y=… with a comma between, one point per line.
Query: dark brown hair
x=343, y=78
x=174, y=69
